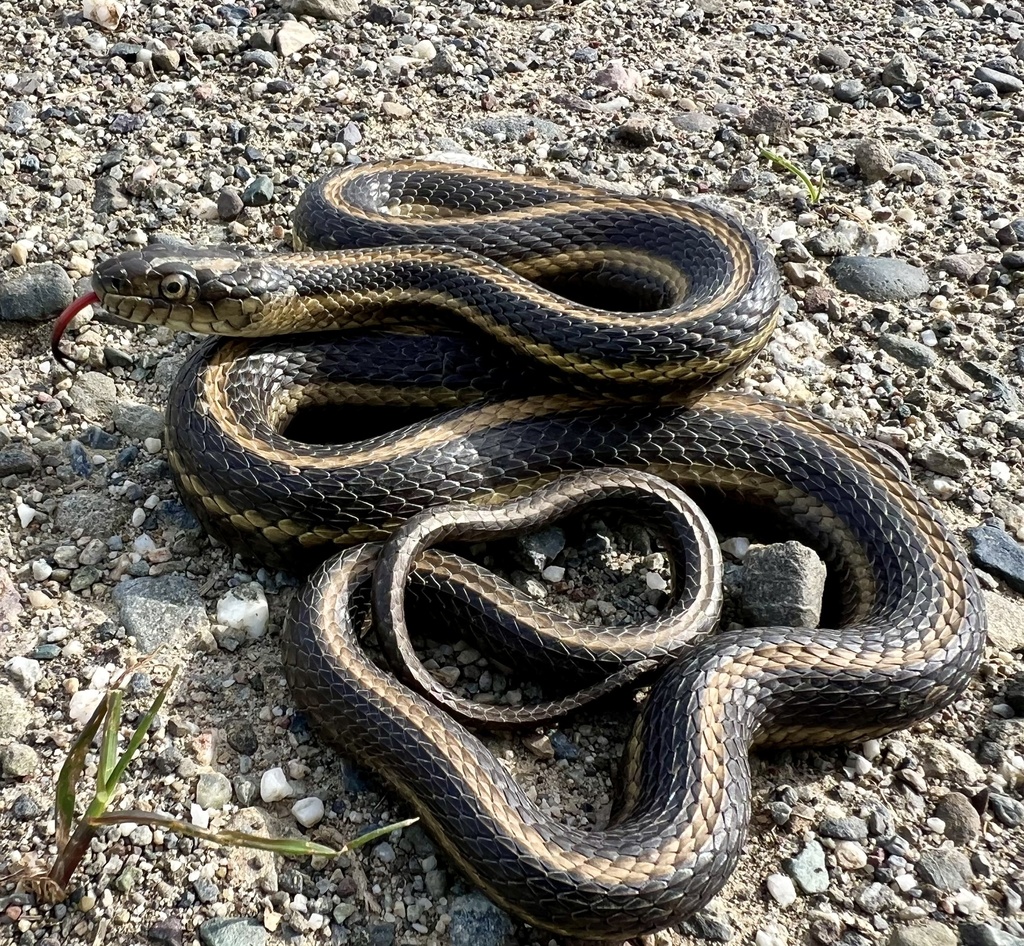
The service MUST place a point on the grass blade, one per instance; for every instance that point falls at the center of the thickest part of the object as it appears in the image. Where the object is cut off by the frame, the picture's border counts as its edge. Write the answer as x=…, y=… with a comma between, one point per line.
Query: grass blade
x=108, y=745
x=71, y=773
x=141, y=730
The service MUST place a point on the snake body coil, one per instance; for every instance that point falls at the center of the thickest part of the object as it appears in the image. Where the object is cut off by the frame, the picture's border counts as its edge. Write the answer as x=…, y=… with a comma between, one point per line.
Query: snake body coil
x=909, y=623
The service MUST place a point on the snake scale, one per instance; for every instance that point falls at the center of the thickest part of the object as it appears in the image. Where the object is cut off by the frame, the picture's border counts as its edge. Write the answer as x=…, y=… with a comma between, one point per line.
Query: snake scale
x=558, y=330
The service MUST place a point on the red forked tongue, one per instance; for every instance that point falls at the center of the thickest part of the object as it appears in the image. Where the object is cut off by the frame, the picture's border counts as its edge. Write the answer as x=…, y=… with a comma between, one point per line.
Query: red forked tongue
x=62, y=323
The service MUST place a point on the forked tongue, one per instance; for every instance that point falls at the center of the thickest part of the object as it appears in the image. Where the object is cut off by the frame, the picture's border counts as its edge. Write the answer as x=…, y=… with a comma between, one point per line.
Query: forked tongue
x=62, y=323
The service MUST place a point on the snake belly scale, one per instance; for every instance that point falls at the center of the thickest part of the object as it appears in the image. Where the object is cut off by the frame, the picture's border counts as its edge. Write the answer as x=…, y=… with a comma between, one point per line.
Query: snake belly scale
x=589, y=389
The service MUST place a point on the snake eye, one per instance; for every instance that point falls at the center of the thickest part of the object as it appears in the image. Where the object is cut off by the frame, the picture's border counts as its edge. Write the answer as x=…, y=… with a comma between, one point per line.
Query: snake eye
x=177, y=287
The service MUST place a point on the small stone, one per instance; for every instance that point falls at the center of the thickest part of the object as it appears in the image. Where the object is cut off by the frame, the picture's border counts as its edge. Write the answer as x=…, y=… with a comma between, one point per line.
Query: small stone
x=293, y=36
x=941, y=460
x=986, y=934
x=475, y=921
x=229, y=203
x=834, y=57
x=25, y=672
x=874, y=160
x=995, y=551
x=158, y=610
x=14, y=461
x=1003, y=82
x=848, y=90
x=961, y=821
x=925, y=933
x=232, y=931
x=781, y=889
x=213, y=791
x=850, y=855
x=847, y=829
x=32, y=293
x=94, y=395
x=783, y=585
x=900, y=71
x=946, y=869
x=912, y=353
x=878, y=279
x=540, y=745
x=1007, y=811
x=18, y=761
x=274, y=786
x=245, y=608
x=563, y=746
x=618, y=77
x=138, y=421
x=962, y=266
x=541, y=548
x=308, y=811
x=258, y=192
x=874, y=898
x=808, y=868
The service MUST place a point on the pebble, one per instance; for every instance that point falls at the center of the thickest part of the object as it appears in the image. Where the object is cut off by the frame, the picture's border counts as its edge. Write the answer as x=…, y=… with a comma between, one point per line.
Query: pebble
x=308, y=811
x=878, y=279
x=232, y=931
x=808, y=868
x=874, y=160
x=475, y=921
x=961, y=821
x=912, y=353
x=1007, y=811
x=783, y=585
x=245, y=609
x=946, y=869
x=25, y=672
x=781, y=889
x=213, y=791
x=274, y=786
x=995, y=551
x=34, y=292
x=159, y=610
x=18, y=761
x=924, y=933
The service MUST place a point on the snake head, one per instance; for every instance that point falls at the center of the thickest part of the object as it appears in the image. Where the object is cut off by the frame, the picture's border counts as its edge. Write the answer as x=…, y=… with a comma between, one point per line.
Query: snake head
x=195, y=289
x=218, y=290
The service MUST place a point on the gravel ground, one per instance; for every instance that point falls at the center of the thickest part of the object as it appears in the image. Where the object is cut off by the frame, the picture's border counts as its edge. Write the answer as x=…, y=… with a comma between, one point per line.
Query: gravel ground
x=905, y=286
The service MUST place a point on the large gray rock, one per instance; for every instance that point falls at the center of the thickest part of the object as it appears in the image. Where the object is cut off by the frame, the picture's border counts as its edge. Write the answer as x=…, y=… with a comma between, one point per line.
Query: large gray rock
x=878, y=278
x=783, y=586
x=158, y=610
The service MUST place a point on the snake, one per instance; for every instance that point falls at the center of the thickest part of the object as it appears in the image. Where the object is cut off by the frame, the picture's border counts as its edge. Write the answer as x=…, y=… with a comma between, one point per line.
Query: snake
x=558, y=338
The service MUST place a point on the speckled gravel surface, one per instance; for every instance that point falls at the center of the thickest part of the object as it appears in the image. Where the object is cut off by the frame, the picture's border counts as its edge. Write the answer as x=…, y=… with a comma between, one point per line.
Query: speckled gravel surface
x=905, y=290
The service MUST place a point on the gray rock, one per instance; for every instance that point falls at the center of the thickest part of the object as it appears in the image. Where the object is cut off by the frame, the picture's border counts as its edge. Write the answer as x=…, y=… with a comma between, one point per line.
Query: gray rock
x=874, y=159
x=262, y=59
x=15, y=713
x=1012, y=234
x=962, y=266
x=20, y=117
x=925, y=933
x=233, y=931
x=986, y=934
x=139, y=421
x=158, y=610
x=96, y=514
x=961, y=818
x=912, y=353
x=945, y=869
x=478, y=922
x=373, y=934
x=697, y=123
x=709, y=926
x=258, y=192
x=841, y=240
x=212, y=43
x=849, y=90
x=34, y=292
x=878, y=278
x=436, y=882
x=94, y=395
x=808, y=868
x=844, y=829
x=1002, y=82
x=229, y=203
x=517, y=127
x=15, y=460
x=834, y=57
x=321, y=9
x=874, y=898
x=541, y=548
x=213, y=790
x=770, y=120
x=783, y=586
x=932, y=171
x=943, y=461
x=997, y=552
x=1007, y=811
x=108, y=198
x=900, y=71
x=18, y=760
